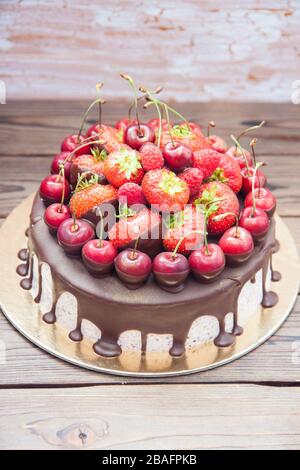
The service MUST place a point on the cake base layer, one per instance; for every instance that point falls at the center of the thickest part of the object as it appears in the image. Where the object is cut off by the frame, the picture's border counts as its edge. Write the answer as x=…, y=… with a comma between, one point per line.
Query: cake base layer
x=199, y=313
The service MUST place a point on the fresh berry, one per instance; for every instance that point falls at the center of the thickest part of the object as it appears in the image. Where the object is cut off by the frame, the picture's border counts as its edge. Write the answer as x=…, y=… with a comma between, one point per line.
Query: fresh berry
x=72, y=235
x=137, y=134
x=206, y=160
x=218, y=144
x=154, y=124
x=187, y=226
x=61, y=160
x=248, y=174
x=165, y=190
x=123, y=166
x=123, y=123
x=55, y=214
x=193, y=177
x=70, y=143
x=130, y=194
x=207, y=262
x=237, y=245
x=228, y=172
x=107, y=134
x=98, y=257
x=218, y=198
x=256, y=221
x=170, y=271
x=89, y=195
x=91, y=164
x=189, y=136
x=151, y=157
x=52, y=189
x=133, y=267
x=177, y=156
x=264, y=200
x=143, y=224
x=237, y=155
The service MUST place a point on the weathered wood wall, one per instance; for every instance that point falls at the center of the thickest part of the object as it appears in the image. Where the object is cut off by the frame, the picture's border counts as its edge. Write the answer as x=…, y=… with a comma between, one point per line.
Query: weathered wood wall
x=198, y=49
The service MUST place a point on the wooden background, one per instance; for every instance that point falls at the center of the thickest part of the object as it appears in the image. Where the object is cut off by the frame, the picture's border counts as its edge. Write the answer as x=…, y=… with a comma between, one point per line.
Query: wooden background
x=199, y=50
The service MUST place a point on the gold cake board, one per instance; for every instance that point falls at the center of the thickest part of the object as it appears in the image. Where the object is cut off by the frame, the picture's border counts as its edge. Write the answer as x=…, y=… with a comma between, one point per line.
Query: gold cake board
x=23, y=313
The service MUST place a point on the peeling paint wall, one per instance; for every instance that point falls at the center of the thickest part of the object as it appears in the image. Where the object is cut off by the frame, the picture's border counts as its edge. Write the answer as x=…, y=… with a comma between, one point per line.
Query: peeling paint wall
x=245, y=50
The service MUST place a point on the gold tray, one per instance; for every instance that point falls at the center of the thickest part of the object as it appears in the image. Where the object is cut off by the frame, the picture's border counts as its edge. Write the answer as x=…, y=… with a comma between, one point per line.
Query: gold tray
x=22, y=312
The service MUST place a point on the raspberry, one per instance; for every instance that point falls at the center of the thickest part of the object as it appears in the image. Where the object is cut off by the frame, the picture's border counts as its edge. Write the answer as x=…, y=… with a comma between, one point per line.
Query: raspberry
x=151, y=157
x=131, y=193
x=193, y=177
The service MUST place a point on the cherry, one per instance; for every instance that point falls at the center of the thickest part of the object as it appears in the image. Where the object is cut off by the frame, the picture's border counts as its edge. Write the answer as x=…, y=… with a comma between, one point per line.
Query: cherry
x=243, y=158
x=70, y=143
x=56, y=214
x=136, y=135
x=207, y=262
x=73, y=234
x=218, y=144
x=237, y=245
x=177, y=156
x=256, y=221
x=59, y=160
x=264, y=200
x=123, y=123
x=248, y=174
x=133, y=267
x=54, y=188
x=170, y=271
x=98, y=256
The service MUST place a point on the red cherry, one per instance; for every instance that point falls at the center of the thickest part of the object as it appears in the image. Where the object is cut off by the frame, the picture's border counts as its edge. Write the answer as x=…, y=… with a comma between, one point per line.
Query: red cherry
x=98, y=256
x=264, y=200
x=237, y=245
x=218, y=144
x=52, y=187
x=70, y=143
x=259, y=181
x=207, y=262
x=170, y=271
x=60, y=159
x=133, y=267
x=256, y=222
x=135, y=136
x=238, y=156
x=178, y=156
x=72, y=235
x=55, y=214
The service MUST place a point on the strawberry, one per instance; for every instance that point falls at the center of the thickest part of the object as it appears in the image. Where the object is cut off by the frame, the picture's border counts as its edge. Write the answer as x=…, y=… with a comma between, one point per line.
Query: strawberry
x=228, y=172
x=207, y=160
x=154, y=124
x=91, y=164
x=109, y=135
x=123, y=166
x=193, y=177
x=131, y=193
x=192, y=137
x=90, y=194
x=141, y=224
x=181, y=224
x=165, y=190
x=218, y=198
x=218, y=144
x=151, y=157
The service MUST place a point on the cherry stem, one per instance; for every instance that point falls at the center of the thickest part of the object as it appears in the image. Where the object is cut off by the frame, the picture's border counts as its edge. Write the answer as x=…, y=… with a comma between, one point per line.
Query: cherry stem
x=132, y=84
x=252, y=145
x=99, y=244
x=250, y=129
x=257, y=166
x=98, y=100
x=133, y=253
x=169, y=125
x=207, y=252
x=98, y=88
x=62, y=175
x=181, y=240
x=238, y=145
x=220, y=217
x=83, y=144
x=210, y=125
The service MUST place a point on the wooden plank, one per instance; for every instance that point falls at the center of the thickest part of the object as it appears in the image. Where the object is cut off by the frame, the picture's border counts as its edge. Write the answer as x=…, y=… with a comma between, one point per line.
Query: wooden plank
x=222, y=49
x=275, y=361
x=209, y=417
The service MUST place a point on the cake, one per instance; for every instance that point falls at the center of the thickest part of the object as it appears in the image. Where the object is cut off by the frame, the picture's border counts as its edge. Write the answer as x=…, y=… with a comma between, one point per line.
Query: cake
x=151, y=236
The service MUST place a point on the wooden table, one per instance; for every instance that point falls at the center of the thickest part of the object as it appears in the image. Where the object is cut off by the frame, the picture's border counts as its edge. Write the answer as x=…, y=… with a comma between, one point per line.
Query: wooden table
x=48, y=404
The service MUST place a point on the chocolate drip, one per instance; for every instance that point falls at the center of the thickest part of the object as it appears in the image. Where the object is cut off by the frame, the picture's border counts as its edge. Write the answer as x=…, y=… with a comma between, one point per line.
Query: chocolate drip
x=22, y=269
x=270, y=298
x=27, y=232
x=109, y=305
x=276, y=247
x=144, y=343
x=37, y=298
x=275, y=275
x=23, y=254
x=253, y=279
x=27, y=282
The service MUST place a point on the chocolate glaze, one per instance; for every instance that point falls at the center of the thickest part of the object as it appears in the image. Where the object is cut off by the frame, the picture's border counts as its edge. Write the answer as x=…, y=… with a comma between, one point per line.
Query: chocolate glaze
x=275, y=275
x=113, y=309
